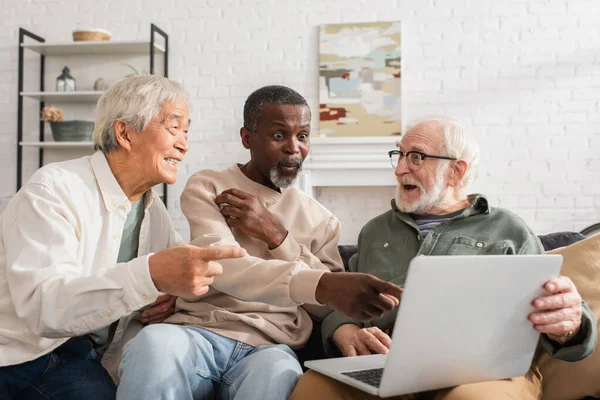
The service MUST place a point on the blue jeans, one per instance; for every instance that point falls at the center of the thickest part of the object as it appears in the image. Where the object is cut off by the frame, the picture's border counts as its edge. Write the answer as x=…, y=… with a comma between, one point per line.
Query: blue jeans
x=71, y=371
x=182, y=362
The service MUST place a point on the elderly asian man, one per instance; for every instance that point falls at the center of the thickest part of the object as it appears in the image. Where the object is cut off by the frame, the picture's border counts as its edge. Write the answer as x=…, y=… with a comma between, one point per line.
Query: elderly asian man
x=432, y=215
x=86, y=243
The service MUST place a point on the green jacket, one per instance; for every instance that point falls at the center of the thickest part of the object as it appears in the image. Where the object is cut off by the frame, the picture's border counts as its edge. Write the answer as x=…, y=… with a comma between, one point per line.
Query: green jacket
x=388, y=242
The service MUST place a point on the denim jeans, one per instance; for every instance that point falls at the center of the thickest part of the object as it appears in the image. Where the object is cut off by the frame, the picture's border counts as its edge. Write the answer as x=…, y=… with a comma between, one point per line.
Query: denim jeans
x=181, y=362
x=70, y=372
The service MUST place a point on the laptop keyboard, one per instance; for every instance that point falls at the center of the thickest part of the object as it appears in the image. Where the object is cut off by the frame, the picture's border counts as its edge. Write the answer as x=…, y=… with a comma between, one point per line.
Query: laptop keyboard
x=369, y=376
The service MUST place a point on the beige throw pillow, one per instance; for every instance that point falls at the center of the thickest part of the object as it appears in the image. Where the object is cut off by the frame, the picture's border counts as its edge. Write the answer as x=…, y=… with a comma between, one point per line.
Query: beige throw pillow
x=564, y=380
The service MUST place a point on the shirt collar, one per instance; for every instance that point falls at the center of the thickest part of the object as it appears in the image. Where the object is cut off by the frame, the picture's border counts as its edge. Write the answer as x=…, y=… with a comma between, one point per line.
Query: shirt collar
x=479, y=205
x=111, y=191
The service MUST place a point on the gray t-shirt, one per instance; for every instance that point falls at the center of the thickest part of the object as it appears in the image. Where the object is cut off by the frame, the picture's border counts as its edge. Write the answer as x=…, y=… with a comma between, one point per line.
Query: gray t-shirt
x=130, y=239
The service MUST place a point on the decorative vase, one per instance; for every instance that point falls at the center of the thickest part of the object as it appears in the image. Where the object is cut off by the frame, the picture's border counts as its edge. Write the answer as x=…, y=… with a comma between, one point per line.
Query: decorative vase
x=100, y=85
x=72, y=131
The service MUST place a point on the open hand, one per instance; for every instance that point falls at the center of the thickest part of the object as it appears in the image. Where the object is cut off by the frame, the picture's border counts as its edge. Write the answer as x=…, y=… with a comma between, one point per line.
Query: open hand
x=359, y=296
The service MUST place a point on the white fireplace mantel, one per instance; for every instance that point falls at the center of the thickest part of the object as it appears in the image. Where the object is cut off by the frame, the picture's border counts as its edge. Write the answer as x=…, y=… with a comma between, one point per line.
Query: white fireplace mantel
x=348, y=161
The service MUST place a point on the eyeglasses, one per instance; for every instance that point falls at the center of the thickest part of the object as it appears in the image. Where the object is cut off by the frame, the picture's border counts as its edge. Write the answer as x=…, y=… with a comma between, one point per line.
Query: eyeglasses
x=414, y=159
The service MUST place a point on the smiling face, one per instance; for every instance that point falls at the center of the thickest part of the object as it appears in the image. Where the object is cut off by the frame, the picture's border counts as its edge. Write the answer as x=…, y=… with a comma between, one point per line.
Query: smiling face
x=421, y=190
x=279, y=146
x=158, y=149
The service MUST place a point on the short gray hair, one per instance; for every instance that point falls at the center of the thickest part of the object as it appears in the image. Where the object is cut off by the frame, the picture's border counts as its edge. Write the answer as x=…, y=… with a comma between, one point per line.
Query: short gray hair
x=460, y=144
x=136, y=100
x=274, y=94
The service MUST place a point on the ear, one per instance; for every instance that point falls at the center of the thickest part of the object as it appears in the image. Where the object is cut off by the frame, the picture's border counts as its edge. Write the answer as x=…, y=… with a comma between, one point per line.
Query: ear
x=122, y=135
x=246, y=136
x=458, y=169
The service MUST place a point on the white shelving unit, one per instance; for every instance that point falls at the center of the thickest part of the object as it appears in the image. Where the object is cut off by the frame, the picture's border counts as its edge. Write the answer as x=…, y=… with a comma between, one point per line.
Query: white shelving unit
x=91, y=48
x=50, y=145
x=64, y=97
x=118, y=52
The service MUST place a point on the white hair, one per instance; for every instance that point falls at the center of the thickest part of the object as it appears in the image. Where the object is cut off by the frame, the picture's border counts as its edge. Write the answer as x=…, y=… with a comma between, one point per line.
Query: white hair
x=136, y=100
x=459, y=143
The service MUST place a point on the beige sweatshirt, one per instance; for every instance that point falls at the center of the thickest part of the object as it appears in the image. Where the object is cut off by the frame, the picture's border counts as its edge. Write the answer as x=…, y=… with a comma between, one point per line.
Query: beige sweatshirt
x=266, y=296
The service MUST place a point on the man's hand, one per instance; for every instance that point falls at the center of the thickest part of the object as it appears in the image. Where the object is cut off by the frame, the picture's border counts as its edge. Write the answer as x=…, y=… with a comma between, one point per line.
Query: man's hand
x=243, y=211
x=560, y=317
x=354, y=341
x=160, y=310
x=189, y=270
x=358, y=296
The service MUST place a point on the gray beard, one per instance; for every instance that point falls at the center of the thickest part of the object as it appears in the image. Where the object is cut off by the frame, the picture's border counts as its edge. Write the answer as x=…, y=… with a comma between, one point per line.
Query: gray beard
x=282, y=181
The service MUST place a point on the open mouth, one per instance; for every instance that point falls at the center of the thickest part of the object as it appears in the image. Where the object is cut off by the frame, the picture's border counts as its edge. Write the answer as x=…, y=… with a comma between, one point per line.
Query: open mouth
x=289, y=166
x=171, y=161
x=408, y=188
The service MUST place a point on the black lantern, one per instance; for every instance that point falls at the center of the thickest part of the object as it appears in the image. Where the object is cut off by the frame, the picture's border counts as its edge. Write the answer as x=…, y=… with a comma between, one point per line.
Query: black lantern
x=65, y=82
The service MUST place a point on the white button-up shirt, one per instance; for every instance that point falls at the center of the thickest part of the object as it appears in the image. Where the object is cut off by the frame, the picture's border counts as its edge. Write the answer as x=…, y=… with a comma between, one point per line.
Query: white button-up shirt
x=59, y=241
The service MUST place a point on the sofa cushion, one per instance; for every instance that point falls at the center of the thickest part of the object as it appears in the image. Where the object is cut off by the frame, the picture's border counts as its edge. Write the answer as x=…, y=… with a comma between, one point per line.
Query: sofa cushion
x=346, y=251
x=555, y=240
x=563, y=380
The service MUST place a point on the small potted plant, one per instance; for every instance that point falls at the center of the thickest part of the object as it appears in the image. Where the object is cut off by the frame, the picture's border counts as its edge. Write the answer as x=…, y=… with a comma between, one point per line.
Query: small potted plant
x=67, y=131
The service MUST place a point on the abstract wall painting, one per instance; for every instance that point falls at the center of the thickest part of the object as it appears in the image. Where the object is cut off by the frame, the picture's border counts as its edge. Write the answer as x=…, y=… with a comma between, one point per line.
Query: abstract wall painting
x=359, y=79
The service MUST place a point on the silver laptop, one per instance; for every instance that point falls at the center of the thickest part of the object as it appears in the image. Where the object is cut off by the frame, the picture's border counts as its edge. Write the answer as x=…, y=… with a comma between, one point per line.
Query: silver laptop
x=462, y=319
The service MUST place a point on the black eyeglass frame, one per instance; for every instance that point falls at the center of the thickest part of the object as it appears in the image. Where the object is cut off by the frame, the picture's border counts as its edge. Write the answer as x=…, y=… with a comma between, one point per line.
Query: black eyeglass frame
x=424, y=156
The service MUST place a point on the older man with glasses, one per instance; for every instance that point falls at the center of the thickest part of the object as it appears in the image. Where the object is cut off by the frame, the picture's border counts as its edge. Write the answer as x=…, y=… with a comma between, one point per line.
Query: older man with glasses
x=432, y=215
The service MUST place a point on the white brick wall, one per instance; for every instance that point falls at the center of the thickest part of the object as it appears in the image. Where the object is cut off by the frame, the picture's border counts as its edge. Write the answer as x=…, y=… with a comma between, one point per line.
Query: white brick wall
x=523, y=74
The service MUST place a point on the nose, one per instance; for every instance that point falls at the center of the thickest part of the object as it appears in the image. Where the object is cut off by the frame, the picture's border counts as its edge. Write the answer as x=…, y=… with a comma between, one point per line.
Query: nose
x=292, y=146
x=402, y=167
x=182, y=143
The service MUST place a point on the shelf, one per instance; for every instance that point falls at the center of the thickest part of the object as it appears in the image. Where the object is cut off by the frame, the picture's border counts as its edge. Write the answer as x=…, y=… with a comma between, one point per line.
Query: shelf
x=52, y=144
x=65, y=97
x=91, y=48
x=99, y=54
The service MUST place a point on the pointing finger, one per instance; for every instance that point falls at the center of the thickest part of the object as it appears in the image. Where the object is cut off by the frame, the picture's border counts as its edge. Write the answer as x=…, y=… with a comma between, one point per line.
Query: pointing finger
x=392, y=298
x=387, y=288
x=218, y=253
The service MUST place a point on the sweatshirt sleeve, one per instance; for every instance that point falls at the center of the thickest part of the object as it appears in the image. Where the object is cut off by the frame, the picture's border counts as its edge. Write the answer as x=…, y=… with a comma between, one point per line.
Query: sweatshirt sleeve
x=51, y=293
x=325, y=257
x=279, y=282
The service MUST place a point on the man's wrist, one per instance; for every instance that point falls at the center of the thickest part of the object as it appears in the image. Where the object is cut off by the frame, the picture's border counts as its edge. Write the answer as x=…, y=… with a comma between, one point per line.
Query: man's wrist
x=564, y=338
x=277, y=238
x=152, y=272
x=321, y=291
x=342, y=332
